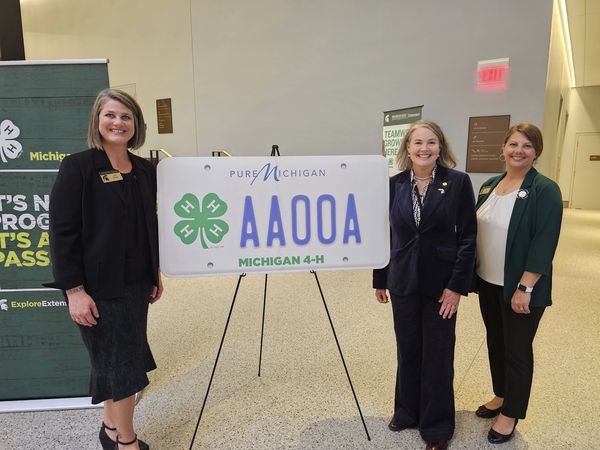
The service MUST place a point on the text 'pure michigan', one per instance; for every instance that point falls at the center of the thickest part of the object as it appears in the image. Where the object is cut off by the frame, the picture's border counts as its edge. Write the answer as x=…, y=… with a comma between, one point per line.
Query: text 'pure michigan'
x=274, y=173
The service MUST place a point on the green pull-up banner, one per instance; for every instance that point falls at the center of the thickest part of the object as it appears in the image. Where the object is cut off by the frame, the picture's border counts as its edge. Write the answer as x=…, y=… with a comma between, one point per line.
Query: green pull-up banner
x=44, y=110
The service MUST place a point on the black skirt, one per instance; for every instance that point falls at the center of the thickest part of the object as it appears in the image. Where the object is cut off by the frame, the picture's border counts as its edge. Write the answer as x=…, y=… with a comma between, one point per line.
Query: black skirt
x=118, y=346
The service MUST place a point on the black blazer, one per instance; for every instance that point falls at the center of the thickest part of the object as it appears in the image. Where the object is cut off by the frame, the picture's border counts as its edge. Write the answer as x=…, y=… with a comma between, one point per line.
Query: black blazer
x=438, y=254
x=87, y=224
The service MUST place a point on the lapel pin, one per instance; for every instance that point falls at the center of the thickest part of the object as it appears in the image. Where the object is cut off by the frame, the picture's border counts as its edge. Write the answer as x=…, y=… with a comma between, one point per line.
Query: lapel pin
x=441, y=190
x=523, y=193
x=445, y=183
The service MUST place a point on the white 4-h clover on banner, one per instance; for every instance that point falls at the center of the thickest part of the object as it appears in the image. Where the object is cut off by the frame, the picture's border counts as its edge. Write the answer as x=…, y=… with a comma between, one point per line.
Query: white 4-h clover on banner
x=10, y=148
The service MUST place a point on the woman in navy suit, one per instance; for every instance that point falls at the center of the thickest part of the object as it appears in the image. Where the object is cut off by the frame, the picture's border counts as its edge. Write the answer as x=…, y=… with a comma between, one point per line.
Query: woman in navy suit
x=433, y=234
x=104, y=247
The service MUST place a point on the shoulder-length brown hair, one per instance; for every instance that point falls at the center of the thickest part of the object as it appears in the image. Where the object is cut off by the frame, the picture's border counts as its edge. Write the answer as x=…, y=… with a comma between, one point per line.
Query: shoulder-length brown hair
x=93, y=135
x=446, y=158
x=531, y=132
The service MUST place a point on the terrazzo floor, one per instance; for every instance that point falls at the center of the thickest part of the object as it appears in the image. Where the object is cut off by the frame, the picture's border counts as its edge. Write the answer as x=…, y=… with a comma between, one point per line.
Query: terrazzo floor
x=302, y=400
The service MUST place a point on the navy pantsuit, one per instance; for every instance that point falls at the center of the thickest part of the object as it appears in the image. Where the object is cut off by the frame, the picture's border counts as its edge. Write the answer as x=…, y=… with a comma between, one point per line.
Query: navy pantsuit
x=424, y=260
x=424, y=395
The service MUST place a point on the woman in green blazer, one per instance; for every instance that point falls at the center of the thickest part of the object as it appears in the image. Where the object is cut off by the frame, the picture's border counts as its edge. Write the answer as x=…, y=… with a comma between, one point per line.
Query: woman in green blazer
x=519, y=215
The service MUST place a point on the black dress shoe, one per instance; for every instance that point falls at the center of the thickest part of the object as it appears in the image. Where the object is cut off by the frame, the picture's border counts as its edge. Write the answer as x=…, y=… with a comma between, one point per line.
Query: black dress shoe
x=141, y=444
x=108, y=444
x=498, y=438
x=486, y=413
x=394, y=425
x=437, y=445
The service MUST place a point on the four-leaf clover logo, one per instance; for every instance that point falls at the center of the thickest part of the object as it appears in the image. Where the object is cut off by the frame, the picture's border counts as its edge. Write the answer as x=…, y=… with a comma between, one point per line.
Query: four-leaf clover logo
x=9, y=148
x=201, y=222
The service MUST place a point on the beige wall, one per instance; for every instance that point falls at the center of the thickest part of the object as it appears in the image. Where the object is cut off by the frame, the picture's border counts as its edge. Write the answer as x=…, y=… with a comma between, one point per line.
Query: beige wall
x=557, y=87
x=313, y=77
x=580, y=105
x=149, y=46
x=584, y=117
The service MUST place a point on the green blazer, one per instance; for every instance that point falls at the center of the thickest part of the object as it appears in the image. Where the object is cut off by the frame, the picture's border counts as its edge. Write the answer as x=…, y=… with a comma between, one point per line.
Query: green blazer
x=533, y=233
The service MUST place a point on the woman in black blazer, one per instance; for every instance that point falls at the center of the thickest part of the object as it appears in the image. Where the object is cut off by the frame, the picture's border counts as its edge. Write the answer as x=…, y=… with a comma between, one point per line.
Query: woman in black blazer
x=433, y=232
x=104, y=249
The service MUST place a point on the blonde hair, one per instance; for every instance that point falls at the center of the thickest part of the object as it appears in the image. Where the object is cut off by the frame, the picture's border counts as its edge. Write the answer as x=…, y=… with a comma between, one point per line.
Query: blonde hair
x=94, y=139
x=446, y=158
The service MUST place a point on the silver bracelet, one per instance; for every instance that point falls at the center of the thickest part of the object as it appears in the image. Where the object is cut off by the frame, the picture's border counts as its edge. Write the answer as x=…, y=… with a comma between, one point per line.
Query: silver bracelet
x=75, y=289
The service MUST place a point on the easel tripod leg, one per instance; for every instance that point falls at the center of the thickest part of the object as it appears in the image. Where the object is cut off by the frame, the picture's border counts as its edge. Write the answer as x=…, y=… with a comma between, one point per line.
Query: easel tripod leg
x=341, y=354
x=262, y=328
x=216, y=361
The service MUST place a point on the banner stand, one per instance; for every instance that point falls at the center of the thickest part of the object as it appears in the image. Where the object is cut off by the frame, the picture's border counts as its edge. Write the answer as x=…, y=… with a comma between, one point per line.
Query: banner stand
x=44, y=110
x=50, y=404
x=53, y=404
x=223, y=339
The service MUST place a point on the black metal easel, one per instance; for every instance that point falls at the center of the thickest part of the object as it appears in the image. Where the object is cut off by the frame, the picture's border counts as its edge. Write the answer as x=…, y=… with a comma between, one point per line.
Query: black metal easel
x=275, y=152
x=341, y=354
x=216, y=360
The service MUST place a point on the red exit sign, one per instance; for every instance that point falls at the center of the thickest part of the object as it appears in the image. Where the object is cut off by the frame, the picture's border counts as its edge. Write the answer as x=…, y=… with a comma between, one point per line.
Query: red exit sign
x=492, y=75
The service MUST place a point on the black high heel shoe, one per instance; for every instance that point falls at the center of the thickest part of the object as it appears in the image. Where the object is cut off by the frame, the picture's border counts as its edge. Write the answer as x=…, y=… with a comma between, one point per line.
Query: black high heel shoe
x=142, y=444
x=105, y=440
x=486, y=413
x=498, y=438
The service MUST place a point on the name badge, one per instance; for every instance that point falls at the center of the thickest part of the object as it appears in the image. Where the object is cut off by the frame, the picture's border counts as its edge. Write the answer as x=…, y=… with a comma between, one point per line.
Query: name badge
x=485, y=190
x=111, y=175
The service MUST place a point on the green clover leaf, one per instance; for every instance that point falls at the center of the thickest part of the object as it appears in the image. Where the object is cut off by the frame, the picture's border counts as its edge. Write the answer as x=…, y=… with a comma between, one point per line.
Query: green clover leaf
x=201, y=222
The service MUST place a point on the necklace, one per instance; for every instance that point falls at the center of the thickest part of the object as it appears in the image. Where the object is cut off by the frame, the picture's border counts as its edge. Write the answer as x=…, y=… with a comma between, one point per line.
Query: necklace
x=506, y=187
x=422, y=178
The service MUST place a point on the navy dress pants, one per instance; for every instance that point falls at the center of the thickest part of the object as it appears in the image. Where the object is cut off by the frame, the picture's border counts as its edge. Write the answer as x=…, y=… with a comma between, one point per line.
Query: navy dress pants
x=424, y=381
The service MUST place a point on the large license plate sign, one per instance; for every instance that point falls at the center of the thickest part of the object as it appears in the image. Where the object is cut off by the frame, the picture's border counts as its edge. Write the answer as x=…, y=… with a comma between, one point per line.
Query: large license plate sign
x=268, y=214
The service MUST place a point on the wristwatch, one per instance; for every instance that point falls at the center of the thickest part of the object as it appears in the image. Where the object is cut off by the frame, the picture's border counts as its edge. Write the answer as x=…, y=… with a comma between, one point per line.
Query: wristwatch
x=524, y=288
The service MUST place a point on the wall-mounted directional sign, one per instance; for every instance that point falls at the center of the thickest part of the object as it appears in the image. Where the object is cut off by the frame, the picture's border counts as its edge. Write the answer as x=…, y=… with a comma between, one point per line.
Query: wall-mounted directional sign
x=484, y=145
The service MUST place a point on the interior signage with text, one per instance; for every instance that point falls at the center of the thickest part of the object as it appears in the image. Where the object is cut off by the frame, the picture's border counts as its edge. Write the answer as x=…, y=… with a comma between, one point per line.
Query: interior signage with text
x=484, y=145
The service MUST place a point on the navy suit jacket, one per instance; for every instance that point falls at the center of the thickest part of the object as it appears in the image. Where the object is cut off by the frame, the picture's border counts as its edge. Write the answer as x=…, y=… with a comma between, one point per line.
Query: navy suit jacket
x=440, y=252
x=87, y=224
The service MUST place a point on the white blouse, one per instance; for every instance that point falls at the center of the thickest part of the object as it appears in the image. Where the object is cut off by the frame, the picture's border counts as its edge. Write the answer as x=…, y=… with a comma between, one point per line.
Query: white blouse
x=493, y=218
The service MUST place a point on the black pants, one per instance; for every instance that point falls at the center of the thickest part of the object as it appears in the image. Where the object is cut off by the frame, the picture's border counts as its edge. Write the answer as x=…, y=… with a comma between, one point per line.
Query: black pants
x=424, y=381
x=510, y=347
